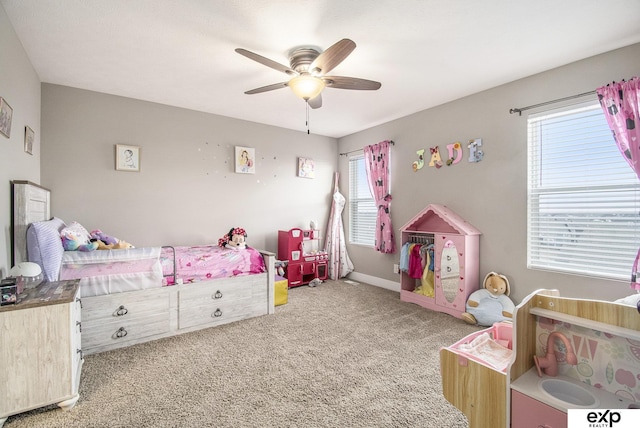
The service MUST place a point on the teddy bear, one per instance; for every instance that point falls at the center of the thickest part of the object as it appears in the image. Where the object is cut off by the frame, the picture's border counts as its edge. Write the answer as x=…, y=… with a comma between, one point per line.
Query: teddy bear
x=120, y=245
x=235, y=239
x=490, y=304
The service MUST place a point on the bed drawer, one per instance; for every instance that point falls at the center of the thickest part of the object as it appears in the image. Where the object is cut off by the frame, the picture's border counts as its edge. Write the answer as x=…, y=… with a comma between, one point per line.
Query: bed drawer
x=99, y=334
x=208, y=293
x=123, y=306
x=214, y=314
x=115, y=320
x=213, y=304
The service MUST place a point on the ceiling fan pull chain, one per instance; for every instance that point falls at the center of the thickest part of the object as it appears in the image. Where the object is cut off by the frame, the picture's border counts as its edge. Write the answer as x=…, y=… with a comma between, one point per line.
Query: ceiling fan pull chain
x=307, y=102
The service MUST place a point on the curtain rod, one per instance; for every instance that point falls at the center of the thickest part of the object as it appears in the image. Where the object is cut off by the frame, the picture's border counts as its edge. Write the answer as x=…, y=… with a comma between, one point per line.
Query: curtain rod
x=519, y=110
x=357, y=150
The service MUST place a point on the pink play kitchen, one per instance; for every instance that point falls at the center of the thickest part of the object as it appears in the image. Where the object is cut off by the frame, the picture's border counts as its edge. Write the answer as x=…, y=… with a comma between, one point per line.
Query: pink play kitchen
x=558, y=354
x=306, y=261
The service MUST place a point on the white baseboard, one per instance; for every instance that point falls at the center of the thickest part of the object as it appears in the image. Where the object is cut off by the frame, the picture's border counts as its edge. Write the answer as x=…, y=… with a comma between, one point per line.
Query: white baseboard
x=374, y=280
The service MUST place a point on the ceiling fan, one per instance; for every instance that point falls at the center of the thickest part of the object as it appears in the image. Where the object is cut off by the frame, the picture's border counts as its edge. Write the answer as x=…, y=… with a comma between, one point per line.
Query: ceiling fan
x=308, y=70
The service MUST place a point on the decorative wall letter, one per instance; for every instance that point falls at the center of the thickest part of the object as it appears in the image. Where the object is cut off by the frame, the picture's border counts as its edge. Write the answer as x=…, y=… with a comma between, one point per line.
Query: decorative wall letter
x=455, y=153
x=435, y=157
x=475, y=150
x=420, y=162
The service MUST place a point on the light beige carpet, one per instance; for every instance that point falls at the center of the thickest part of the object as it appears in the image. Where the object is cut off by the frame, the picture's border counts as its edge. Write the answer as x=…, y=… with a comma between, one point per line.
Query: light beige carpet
x=336, y=355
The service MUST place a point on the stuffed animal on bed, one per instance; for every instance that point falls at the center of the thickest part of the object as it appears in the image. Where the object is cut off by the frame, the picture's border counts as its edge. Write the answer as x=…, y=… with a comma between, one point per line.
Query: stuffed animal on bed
x=235, y=239
x=120, y=245
x=108, y=242
x=71, y=242
x=76, y=238
x=491, y=304
x=101, y=236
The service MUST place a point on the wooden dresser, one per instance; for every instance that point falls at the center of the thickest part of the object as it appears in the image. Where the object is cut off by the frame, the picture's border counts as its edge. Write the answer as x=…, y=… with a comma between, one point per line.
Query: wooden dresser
x=40, y=352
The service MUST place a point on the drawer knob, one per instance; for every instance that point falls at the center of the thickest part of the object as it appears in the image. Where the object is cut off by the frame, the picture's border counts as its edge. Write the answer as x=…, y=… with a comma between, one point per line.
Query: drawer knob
x=120, y=333
x=218, y=295
x=121, y=311
x=217, y=313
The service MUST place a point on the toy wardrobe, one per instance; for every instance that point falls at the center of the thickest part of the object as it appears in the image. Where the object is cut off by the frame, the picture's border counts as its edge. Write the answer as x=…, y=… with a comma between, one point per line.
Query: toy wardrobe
x=449, y=249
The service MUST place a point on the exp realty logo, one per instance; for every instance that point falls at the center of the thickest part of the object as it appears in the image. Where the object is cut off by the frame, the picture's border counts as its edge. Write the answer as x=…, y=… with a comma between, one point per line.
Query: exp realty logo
x=603, y=418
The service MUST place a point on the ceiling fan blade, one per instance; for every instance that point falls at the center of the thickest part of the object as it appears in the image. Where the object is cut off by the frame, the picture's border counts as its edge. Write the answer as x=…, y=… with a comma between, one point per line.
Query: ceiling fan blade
x=355, y=83
x=267, y=88
x=266, y=61
x=315, y=102
x=330, y=58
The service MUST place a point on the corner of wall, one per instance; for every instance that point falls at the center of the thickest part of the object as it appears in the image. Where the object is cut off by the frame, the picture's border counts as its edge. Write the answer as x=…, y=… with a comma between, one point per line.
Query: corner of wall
x=372, y=280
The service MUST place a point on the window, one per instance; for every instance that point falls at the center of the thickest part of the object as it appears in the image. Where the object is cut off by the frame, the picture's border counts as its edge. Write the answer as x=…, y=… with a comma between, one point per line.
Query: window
x=583, y=197
x=362, y=208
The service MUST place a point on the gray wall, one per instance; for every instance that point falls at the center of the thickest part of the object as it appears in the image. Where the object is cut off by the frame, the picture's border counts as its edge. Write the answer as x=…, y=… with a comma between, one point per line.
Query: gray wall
x=491, y=194
x=20, y=86
x=186, y=191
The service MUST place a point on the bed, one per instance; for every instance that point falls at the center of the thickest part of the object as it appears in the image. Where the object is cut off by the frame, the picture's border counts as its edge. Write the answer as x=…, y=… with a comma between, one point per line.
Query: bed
x=135, y=295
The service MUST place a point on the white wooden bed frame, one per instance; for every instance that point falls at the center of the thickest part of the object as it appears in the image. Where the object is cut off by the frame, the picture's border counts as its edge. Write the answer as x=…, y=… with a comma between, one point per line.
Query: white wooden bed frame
x=118, y=320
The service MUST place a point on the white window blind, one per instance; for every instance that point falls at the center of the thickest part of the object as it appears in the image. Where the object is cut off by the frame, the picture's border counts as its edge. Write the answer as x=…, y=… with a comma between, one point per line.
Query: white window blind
x=362, y=208
x=583, y=197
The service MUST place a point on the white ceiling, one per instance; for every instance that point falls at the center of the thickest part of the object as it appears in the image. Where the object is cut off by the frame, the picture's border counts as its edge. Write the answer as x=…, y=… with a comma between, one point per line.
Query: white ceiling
x=425, y=52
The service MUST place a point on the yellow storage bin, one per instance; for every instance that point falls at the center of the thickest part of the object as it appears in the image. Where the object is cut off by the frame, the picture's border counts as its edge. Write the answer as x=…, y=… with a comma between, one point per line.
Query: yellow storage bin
x=281, y=287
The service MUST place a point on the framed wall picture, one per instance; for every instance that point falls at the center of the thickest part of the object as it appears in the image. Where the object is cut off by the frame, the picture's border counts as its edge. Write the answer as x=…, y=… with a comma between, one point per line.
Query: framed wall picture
x=245, y=160
x=127, y=158
x=306, y=168
x=6, y=114
x=29, y=137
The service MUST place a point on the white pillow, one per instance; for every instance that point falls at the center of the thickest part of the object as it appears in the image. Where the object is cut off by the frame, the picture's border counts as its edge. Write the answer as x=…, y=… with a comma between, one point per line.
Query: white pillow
x=76, y=232
x=44, y=246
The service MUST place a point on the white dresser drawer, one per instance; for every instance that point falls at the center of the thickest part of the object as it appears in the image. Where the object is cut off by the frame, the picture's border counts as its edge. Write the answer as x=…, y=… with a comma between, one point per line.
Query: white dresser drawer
x=208, y=292
x=212, y=304
x=124, y=305
x=76, y=340
x=97, y=333
x=109, y=320
x=214, y=314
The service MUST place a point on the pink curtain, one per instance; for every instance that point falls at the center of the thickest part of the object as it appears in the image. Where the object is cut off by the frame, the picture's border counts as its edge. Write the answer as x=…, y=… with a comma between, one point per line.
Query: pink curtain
x=620, y=103
x=376, y=160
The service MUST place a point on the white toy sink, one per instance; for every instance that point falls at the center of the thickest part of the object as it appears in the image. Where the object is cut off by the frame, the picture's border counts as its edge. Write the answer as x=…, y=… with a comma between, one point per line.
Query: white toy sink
x=570, y=393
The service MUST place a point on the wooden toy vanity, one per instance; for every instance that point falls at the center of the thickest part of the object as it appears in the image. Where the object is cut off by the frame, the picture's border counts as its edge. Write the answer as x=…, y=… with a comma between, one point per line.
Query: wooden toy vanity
x=484, y=393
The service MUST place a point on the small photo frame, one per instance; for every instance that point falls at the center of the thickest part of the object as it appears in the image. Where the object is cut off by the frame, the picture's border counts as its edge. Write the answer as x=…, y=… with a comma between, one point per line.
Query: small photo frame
x=306, y=168
x=29, y=137
x=245, y=160
x=6, y=114
x=127, y=158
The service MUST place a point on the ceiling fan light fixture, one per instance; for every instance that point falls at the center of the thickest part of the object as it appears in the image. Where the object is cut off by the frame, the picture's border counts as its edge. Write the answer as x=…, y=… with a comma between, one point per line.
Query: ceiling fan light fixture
x=306, y=87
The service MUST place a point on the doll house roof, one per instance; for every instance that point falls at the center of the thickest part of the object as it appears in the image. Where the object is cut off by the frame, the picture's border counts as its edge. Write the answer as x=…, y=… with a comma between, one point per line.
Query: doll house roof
x=439, y=219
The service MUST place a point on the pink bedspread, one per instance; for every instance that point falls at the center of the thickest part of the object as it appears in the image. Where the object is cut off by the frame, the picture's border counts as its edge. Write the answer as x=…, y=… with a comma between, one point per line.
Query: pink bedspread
x=201, y=263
